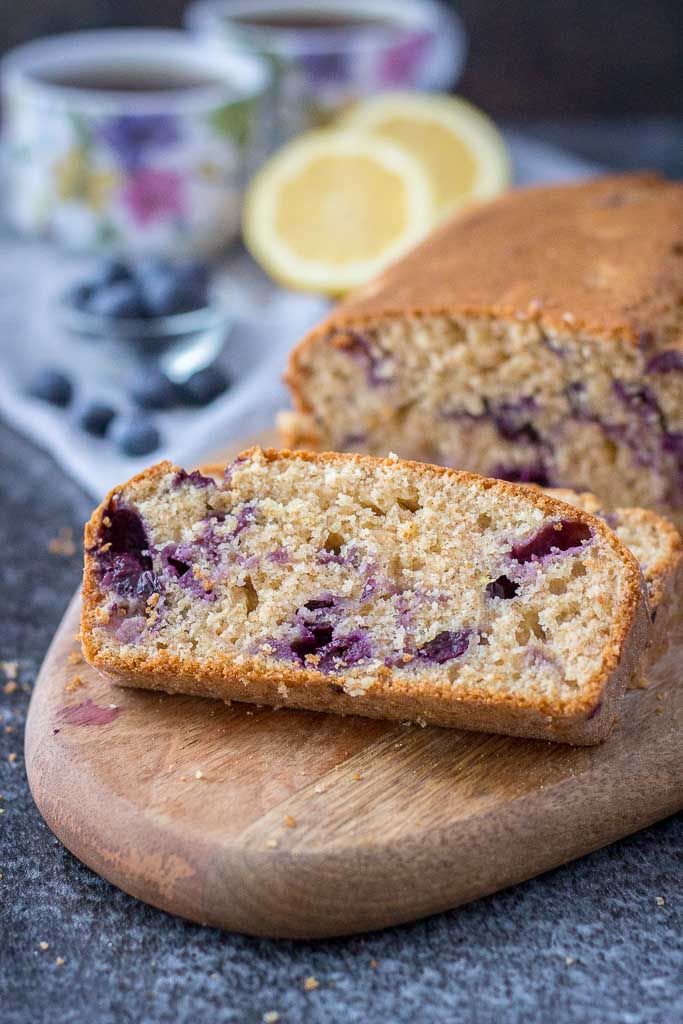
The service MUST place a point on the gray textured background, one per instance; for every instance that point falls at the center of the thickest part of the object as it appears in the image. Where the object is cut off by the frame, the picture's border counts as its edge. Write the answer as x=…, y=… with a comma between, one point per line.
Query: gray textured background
x=502, y=960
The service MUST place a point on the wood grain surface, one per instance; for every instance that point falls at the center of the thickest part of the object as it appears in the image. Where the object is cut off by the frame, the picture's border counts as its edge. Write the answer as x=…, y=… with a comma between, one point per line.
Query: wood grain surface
x=292, y=823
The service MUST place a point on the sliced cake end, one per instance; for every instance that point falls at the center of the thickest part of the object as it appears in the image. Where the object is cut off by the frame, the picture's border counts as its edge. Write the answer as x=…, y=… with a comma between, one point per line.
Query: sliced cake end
x=363, y=585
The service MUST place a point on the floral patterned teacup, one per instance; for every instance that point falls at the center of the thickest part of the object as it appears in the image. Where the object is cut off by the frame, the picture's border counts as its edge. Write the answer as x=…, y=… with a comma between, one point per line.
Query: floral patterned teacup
x=327, y=54
x=132, y=140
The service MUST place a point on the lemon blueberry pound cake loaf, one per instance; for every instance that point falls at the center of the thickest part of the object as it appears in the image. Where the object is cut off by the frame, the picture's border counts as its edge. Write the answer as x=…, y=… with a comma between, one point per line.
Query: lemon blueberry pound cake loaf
x=656, y=544
x=360, y=585
x=536, y=338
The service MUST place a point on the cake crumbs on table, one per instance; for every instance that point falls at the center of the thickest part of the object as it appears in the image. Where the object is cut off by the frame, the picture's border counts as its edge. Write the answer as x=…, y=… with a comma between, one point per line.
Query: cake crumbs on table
x=320, y=788
x=74, y=683
x=311, y=983
x=270, y=1017
x=373, y=964
x=75, y=658
x=10, y=687
x=569, y=960
x=289, y=821
x=60, y=961
x=660, y=901
x=63, y=544
x=272, y=843
x=12, y=757
x=199, y=774
x=9, y=729
x=357, y=776
x=10, y=669
x=43, y=946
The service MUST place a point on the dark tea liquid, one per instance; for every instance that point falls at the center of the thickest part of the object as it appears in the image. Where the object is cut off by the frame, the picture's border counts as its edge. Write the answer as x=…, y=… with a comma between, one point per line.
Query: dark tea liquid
x=128, y=78
x=304, y=19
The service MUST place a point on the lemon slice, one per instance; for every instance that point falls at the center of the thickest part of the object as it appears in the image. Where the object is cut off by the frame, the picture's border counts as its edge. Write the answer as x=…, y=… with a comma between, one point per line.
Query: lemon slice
x=330, y=210
x=459, y=146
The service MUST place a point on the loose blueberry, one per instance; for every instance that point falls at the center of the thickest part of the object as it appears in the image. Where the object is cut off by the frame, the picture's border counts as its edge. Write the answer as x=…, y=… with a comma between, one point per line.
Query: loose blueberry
x=53, y=386
x=108, y=271
x=205, y=385
x=193, y=278
x=151, y=389
x=96, y=417
x=136, y=435
x=169, y=288
x=161, y=296
x=80, y=295
x=121, y=299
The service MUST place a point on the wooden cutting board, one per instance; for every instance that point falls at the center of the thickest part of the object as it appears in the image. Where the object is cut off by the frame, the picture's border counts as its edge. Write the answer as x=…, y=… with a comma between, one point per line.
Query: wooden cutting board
x=292, y=823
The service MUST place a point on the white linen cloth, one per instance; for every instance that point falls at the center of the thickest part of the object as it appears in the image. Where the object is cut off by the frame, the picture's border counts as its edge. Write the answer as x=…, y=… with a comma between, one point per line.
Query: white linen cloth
x=268, y=320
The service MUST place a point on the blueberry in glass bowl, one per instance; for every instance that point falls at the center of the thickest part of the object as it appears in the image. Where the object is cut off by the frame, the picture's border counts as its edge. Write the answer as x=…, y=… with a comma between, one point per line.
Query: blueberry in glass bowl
x=154, y=306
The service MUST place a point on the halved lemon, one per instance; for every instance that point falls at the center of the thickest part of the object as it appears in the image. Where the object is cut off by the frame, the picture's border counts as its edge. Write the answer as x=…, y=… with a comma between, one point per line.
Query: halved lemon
x=460, y=147
x=331, y=209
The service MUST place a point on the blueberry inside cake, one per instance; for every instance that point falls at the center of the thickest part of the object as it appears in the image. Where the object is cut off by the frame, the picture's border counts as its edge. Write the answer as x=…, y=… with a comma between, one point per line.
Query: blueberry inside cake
x=370, y=586
x=537, y=338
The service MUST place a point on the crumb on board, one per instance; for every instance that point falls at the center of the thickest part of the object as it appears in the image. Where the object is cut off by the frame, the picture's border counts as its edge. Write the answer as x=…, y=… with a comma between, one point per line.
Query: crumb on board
x=270, y=1017
x=12, y=757
x=60, y=961
x=75, y=658
x=660, y=901
x=289, y=821
x=63, y=544
x=311, y=983
x=569, y=960
x=357, y=776
x=373, y=964
x=271, y=843
x=10, y=669
x=74, y=684
x=43, y=946
x=10, y=687
x=199, y=774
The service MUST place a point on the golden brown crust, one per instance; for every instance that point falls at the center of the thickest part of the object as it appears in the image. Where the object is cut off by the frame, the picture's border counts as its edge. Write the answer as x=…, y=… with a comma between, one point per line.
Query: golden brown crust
x=585, y=718
x=603, y=257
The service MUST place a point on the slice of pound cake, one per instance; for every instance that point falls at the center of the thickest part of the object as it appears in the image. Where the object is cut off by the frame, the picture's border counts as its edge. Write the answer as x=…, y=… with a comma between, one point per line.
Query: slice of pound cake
x=371, y=586
x=656, y=543
x=537, y=338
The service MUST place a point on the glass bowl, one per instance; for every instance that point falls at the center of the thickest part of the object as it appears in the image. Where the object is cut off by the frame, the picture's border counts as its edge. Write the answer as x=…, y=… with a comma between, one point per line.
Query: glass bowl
x=183, y=342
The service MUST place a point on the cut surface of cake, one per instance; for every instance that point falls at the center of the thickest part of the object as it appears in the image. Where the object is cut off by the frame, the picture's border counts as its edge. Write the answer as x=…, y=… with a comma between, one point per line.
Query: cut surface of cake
x=536, y=338
x=656, y=543
x=361, y=585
